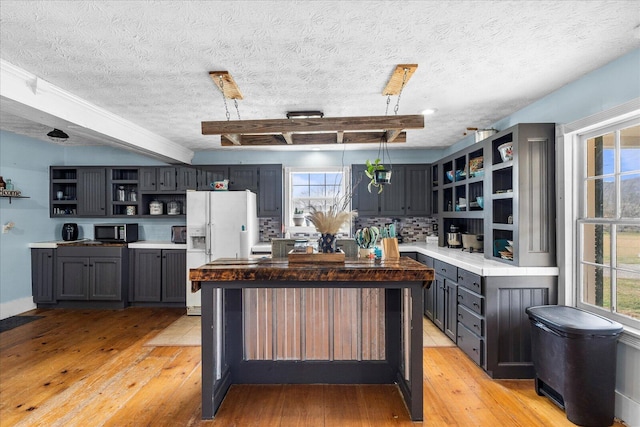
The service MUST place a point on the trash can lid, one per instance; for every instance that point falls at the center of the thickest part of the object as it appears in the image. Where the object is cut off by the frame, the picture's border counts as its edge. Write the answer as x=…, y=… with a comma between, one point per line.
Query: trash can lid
x=573, y=320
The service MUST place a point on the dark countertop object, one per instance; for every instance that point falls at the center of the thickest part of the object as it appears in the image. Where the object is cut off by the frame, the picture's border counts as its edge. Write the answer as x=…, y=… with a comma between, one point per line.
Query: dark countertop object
x=279, y=269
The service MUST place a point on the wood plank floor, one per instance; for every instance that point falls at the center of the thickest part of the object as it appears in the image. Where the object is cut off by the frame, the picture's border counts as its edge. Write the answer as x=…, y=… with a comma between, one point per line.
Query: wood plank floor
x=91, y=368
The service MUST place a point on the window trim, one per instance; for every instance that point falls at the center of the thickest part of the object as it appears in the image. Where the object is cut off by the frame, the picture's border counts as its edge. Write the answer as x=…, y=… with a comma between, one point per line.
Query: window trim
x=346, y=185
x=573, y=208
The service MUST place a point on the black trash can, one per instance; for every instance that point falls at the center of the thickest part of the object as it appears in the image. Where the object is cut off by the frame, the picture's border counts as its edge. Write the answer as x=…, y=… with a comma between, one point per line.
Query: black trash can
x=574, y=356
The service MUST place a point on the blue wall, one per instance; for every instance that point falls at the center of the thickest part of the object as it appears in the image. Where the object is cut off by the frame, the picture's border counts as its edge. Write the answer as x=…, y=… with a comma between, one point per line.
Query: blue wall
x=26, y=162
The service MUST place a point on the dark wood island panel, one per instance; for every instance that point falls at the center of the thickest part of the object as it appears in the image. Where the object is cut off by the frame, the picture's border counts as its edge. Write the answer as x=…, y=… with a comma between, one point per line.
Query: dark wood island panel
x=223, y=362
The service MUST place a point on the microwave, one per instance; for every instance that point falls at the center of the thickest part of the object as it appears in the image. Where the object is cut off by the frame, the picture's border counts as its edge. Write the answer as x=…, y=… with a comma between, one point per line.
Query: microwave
x=124, y=233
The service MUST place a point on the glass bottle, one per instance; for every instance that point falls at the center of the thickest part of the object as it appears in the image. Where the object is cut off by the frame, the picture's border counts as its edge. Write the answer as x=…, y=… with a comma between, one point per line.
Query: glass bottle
x=132, y=195
x=9, y=184
x=121, y=194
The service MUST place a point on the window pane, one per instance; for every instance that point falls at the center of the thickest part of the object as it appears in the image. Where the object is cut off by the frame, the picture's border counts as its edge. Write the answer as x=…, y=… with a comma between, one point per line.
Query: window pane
x=630, y=196
x=601, y=198
x=596, y=286
x=299, y=191
x=300, y=178
x=630, y=149
x=628, y=247
x=316, y=178
x=334, y=178
x=600, y=155
x=596, y=243
x=333, y=191
x=628, y=293
x=316, y=191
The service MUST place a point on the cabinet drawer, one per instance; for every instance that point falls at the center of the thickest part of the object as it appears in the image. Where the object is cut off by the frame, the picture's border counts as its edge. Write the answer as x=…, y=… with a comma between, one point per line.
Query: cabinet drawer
x=470, y=281
x=426, y=260
x=471, y=300
x=471, y=320
x=90, y=251
x=447, y=270
x=470, y=343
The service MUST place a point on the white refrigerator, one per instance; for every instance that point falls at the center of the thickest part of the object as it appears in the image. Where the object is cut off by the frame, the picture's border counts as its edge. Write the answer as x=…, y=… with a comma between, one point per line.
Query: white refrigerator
x=220, y=224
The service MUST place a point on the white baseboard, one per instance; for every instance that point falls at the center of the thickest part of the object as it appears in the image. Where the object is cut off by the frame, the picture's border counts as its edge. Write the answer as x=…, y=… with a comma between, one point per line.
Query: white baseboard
x=627, y=410
x=17, y=306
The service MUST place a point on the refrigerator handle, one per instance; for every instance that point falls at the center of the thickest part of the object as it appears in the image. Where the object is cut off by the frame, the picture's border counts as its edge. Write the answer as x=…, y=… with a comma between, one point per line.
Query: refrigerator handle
x=207, y=239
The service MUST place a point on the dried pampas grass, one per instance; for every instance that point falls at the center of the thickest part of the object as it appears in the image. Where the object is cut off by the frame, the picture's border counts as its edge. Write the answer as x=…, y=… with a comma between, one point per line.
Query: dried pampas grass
x=331, y=221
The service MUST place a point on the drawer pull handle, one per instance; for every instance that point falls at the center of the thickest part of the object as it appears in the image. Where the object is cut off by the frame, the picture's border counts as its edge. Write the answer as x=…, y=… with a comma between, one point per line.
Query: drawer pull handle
x=460, y=315
x=460, y=277
x=475, y=304
x=475, y=350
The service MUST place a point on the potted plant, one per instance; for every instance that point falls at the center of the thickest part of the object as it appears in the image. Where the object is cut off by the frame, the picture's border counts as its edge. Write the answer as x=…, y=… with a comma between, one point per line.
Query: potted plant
x=377, y=174
x=298, y=217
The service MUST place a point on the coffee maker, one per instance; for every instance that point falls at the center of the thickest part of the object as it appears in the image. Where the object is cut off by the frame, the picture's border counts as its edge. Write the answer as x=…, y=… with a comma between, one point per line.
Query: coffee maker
x=69, y=231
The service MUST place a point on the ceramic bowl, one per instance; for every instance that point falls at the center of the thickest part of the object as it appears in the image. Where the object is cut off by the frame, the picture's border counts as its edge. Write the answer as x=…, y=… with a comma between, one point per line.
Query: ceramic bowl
x=449, y=175
x=506, y=151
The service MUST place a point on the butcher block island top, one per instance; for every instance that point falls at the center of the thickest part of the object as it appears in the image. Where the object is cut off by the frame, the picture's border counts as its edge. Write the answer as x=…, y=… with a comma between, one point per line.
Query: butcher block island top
x=270, y=321
x=280, y=270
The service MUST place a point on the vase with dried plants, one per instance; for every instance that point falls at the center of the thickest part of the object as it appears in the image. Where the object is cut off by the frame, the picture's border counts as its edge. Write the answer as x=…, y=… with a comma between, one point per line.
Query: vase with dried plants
x=329, y=221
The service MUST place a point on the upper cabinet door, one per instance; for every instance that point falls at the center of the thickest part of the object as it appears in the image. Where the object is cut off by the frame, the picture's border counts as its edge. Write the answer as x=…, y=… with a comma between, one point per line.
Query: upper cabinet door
x=187, y=179
x=209, y=174
x=393, y=196
x=167, y=179
x=147, y=179
x=417, y=183
x=365, y=202
x=243, y=178
x=92, y=200
x=270, y=191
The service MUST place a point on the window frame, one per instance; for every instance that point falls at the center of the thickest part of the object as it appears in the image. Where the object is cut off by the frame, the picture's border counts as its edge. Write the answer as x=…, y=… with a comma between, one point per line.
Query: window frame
x=288, y=200
x=581, y=219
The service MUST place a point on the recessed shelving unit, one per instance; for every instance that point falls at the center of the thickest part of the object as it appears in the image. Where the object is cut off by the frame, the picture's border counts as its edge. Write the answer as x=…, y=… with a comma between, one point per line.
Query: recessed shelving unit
x=478, y=191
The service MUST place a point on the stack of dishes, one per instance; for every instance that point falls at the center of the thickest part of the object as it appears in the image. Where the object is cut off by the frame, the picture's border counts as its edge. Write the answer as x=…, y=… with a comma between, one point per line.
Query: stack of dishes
x=508, y=252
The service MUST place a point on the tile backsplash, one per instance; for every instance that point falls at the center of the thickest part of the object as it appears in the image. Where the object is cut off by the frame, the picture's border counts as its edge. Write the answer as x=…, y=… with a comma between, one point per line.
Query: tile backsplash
x=413, y=229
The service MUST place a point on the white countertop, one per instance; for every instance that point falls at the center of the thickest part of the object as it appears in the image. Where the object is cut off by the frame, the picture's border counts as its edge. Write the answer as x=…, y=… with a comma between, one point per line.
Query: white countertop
x=156, y=244
x=476, y=262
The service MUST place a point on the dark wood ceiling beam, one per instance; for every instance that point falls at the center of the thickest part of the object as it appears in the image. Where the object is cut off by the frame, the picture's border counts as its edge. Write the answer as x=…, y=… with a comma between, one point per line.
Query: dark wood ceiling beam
x=326, y=124
x=311, y=139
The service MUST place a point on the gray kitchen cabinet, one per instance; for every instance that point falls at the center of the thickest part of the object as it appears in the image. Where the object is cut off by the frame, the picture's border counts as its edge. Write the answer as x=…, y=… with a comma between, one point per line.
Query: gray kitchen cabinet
x=405, y=196
x=393, y=197
x=521, y=196
x=158, y=179
x=187, y=178
x=451, y=310
x=429, y=295
x=42, y=275
x=417, y=180
x=439, y=304
x=209, y=174
x=159, y=276
x=91, y=192
x=174, y=276
x=243, y=177
x=270, y=191
x=91, y=274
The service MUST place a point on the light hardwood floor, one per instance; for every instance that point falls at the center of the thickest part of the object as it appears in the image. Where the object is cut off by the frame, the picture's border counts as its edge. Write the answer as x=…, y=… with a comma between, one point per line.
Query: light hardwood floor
x=91, y=368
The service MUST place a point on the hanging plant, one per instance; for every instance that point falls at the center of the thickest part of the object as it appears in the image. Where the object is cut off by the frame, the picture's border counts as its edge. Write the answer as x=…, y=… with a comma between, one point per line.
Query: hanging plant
x=377, y=174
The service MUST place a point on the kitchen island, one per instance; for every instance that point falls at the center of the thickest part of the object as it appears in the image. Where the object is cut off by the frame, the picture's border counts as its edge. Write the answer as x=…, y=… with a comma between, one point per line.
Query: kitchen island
x=224, y=362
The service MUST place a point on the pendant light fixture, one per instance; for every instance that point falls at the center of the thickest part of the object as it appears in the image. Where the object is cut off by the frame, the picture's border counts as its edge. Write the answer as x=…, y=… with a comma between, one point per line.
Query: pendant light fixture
x=58, y=136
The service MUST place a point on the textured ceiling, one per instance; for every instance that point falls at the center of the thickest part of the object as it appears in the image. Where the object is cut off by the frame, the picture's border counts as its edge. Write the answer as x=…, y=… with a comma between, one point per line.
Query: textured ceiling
x=148, y=61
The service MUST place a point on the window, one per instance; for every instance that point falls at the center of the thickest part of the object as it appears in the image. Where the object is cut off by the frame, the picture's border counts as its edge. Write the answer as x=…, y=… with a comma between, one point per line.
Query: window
x=609, y=223
x=309, y=187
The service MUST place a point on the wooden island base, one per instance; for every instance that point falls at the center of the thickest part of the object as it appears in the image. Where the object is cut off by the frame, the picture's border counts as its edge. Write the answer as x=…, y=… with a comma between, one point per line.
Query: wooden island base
x=223, y=362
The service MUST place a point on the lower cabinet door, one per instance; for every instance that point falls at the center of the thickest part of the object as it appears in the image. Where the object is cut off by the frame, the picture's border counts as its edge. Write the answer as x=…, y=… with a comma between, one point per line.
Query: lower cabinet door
x=429, y=300
x=147, y=278
x=42, y=275
x=72, y=276
x=106, y=278
x=451, y=310
x=174, y=276
x=440, y=303
x=471, y=344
